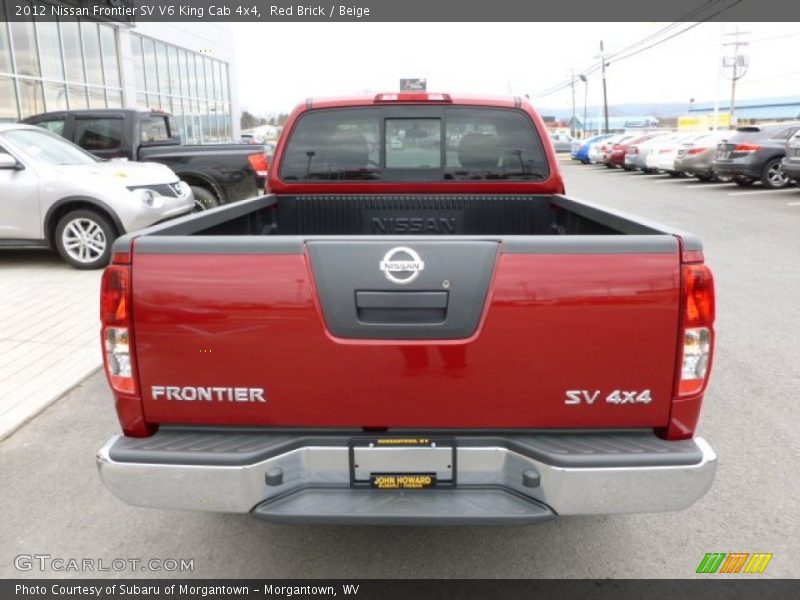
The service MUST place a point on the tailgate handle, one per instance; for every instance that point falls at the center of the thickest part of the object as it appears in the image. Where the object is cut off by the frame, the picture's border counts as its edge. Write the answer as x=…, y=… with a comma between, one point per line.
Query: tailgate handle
x=401, y=307
x=401, y=299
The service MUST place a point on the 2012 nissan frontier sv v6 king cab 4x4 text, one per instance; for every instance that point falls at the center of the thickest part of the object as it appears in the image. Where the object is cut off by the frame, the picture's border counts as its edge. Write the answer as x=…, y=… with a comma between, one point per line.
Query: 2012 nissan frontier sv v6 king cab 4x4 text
x=415, y=325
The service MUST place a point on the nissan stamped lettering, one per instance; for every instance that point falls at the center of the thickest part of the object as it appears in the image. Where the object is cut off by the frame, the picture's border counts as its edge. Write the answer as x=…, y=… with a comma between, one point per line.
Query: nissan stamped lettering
x=416, y=325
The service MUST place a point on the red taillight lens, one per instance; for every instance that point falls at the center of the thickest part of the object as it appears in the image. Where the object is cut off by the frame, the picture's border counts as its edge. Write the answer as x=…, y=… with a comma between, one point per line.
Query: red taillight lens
x=699, y=296
x=691, y=151
x=113, y=296
x=746, y=148
x=259, y=163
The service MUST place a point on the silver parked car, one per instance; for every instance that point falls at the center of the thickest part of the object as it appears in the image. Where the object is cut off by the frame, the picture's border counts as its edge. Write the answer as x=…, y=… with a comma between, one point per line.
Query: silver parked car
x=54, y=194
x=562, y=142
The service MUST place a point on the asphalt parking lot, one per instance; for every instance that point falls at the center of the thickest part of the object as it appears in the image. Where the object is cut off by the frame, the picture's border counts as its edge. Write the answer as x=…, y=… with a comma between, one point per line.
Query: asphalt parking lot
x=53, y=501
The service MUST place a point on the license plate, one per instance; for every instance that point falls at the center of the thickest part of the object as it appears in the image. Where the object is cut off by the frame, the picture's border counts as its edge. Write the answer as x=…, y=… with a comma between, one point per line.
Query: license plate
x=723, y=155
x=402, y=463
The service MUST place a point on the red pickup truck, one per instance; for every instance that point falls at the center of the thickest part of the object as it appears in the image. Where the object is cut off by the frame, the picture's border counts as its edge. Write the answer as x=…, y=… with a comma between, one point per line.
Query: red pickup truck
x=414, y=325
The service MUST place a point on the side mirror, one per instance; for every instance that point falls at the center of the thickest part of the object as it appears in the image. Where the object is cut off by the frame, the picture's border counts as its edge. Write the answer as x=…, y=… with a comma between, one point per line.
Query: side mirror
x=10, y=163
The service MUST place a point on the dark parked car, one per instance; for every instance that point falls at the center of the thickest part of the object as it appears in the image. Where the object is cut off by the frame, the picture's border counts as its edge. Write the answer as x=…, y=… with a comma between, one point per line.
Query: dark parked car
x=791, y=162
x=217, y=173
x=755, y=153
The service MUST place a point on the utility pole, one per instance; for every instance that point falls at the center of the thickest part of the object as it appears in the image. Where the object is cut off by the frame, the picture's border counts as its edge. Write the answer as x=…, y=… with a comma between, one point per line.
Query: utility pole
x=585, y=81
x=719, y=71
x=605, y=95
x=738, y=64
x=572, y=84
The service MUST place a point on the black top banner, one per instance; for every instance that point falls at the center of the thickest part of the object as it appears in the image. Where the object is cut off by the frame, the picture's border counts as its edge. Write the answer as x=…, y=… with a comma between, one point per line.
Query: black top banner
x=405, y=10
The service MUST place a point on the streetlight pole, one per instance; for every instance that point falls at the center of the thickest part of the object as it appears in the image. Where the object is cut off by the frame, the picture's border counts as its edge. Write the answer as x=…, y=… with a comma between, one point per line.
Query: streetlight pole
x=605, y=95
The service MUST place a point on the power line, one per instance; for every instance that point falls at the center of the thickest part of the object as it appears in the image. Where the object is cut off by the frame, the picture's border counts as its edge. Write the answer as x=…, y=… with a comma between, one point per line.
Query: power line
x=620, y=55
x=682, y=31
x=594, y=68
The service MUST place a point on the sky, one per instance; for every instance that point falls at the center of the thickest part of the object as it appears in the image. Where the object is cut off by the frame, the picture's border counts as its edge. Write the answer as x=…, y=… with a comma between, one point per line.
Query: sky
x=281, y=64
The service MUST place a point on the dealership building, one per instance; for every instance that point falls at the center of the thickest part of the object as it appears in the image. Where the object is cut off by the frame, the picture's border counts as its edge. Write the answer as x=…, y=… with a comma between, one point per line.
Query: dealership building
x=186, y=69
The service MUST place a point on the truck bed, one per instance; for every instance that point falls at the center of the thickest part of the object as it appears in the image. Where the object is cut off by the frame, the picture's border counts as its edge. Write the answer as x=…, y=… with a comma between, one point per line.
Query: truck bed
x=526, y=299
x=379, y=215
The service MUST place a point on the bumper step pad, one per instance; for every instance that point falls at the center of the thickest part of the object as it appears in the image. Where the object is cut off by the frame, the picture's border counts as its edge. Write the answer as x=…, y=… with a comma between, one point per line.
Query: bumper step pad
x=417, y=507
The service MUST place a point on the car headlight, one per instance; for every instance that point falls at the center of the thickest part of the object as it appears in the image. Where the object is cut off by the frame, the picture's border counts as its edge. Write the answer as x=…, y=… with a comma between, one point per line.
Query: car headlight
x=184, y=189
x=148, y=197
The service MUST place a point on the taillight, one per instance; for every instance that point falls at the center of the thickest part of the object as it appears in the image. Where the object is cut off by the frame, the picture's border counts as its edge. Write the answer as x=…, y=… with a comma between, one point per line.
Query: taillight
x=259, y=163
x=698, y=318
x=696, y=150
x=116, y=328
x=746, y=147
x=696, y=350
x=117, y=339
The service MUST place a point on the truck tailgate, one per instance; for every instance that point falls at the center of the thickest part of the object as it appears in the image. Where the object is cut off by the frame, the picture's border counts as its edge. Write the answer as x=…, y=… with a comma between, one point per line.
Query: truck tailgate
x=493, y=333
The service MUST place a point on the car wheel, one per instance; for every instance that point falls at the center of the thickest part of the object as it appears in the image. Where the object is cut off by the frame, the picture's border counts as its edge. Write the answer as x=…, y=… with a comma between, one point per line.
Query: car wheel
x=203, y=199
x=585, y=161
x=773, y=176
x=674, y=174
x=704, y=176
x=743, y=181
x=628, y=168
x=83, y=238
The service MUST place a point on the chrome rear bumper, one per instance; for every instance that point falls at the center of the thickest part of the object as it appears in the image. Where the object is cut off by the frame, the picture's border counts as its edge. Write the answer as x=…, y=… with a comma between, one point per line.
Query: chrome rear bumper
x=292, y=479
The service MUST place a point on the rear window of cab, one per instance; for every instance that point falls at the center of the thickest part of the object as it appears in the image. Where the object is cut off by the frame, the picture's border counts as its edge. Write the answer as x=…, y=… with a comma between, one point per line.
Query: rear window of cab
x=431, y=144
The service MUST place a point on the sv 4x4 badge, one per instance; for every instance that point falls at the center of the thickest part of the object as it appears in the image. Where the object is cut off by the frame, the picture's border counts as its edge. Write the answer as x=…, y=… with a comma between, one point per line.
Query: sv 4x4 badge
x=576, y=397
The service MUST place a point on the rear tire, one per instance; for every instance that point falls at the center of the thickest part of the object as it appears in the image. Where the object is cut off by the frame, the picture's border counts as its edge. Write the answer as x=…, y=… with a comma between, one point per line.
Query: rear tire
x=773, y=177
x=743, y=181
x=704, y=176
x=203, y=199
x=83, y=238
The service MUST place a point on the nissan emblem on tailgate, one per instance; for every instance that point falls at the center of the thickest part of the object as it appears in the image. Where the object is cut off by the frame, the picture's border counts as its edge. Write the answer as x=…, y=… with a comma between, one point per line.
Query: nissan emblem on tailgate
x=401, y=265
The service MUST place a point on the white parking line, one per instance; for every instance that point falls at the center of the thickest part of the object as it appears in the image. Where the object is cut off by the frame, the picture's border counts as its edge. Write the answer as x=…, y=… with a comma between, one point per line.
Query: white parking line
x=754, y=192
x=702, y=184
x=793, y=204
